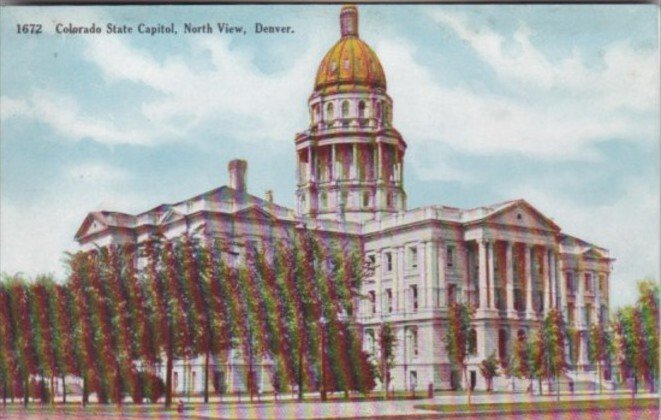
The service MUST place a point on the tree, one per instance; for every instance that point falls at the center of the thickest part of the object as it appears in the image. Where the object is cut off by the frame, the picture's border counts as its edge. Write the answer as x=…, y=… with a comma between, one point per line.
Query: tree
x=489, y=369
x=387, y=343
x=599, y=348
x=519, y=365
x=548, y=355
x=457, y=337
x=648, y=308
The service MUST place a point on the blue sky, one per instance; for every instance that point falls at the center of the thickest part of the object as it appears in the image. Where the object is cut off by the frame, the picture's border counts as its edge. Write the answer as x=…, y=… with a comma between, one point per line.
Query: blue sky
x=558, y=105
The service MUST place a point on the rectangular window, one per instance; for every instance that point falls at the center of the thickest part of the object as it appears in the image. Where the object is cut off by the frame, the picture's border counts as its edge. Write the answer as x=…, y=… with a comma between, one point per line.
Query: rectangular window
x=388, y=257
x=588, y=282
x=372, y=297
x=414, y=298
x=569, y=282
x=570, y=313
x=414, y=341
x=413, y=257
x=452, y=293
x=175, y=381
x=449, y=256
x=389, y=299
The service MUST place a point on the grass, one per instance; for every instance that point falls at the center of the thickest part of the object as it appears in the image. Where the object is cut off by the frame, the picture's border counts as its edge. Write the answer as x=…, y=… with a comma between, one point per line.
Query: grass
x=545, y=406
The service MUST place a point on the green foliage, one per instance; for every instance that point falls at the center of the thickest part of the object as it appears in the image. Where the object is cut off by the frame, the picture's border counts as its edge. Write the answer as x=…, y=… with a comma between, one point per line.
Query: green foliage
x=519, y=365
x=489, y=367
x=457, y=337
x=387, y=341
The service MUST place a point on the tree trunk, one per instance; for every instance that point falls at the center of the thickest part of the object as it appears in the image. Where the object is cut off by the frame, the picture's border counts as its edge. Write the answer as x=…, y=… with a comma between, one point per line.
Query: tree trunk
x=26, y=394
x=539, y=382
x=599, y=373
x=168, y=381
x=4, y=393
x=468, y=385
x=52, y=390
x=85, y=396
x=64, y=389
x=300, y=371
x=206, y=377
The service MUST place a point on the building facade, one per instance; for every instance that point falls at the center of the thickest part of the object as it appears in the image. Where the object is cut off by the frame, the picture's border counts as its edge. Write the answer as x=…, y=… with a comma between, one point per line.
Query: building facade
x=509, y=260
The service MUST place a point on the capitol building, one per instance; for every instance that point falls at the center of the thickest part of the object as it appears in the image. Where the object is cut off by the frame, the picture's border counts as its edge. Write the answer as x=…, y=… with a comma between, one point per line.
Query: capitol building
x=509, y=260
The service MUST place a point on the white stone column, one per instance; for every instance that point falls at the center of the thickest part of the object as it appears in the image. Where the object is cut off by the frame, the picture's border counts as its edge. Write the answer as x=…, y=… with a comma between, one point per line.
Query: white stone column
x=439, y=282
x=401, y=295
x=530, y=313
x=482, y=270
x=310, y=166
x=432, y=271
x=333, y=167
x=580, y=299
x=492, y=274
x=423, y=275
x=354, y=162
x=597, y=297
x=563, y=293
x=509, y=278
x=378, y=273
x=547, y=280
x=554, y=278
x=379, y=165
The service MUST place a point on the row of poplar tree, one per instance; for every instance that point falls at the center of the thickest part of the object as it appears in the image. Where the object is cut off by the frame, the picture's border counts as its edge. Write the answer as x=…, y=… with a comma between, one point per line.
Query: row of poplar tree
x=629, y=343
x=122, y=309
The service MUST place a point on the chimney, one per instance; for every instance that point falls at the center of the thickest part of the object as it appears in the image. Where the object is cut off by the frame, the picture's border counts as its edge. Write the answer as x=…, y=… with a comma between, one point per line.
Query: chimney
x=268, y=196
x=237, y=169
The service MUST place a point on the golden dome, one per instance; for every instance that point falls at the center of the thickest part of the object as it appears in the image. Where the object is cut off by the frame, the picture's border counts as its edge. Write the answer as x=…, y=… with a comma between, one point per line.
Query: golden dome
x=350, y=64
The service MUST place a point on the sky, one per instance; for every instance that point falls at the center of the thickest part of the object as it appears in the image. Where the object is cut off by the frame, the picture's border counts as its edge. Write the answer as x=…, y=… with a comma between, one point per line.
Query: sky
x=558, y=105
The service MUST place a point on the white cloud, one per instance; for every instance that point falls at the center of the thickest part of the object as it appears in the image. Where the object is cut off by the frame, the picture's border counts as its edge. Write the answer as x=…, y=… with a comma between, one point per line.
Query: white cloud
x=626, y=77
x=544, y=127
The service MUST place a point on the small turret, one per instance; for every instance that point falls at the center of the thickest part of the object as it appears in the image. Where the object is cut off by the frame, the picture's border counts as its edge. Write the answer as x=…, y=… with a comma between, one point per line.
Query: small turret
x=349, y=21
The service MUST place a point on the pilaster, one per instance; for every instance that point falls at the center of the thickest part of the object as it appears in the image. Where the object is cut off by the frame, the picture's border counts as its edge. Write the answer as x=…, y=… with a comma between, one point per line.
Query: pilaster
x=509, y=278
x=482, y=274
x=527, y=258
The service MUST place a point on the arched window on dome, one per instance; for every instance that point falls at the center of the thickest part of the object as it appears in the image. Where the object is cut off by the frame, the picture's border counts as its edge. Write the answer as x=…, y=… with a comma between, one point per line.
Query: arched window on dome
x=345, y=109
x=329, y=111
x=361, y=109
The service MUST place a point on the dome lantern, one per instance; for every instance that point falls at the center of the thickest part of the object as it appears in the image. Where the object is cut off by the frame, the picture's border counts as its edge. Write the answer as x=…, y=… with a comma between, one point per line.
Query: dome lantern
x=349, y=21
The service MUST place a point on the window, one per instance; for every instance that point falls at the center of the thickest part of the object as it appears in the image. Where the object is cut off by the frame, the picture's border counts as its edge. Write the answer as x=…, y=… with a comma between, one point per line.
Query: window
x=388, y=257
x=345, y=198
x=329, y=111
x=371, y=260
x=345, y=109
x=603, y=287
x=414, y=341
x=371, y=342
x=372, y=298
x=175, y=381
x=413, y=257
x=570, y=313
x=389, y=299
x=192, y=382
x=569, y=281
x=472, y=342
x=588, y=315
x=452, y=293
x=324, y=200
x=366, y=199
x=414, y=298
x=361, y=109
x=588, y=282
x=449, y=256
x=389, y=199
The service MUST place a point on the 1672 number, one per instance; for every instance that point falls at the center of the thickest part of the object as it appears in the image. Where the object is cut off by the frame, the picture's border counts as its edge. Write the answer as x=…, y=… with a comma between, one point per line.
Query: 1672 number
x=28, y=28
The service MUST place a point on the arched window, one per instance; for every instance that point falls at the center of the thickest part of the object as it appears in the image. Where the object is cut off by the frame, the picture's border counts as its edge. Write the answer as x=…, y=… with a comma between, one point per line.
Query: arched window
x=324, y=200
x=361, y=109
x=472, y=341
x=345, y=109
x=378, y=110
x=366, y=199
x=329, y=111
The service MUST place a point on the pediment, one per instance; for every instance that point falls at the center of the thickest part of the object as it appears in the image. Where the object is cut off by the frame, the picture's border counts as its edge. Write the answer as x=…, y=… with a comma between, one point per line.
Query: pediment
x=254, y=213
x=170, y=216
x=593, y=253
x=93, y=223
x=520, y=213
